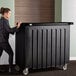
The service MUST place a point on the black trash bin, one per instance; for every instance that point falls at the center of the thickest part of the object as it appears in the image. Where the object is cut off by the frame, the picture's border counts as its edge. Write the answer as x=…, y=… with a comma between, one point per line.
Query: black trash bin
x=42, y=45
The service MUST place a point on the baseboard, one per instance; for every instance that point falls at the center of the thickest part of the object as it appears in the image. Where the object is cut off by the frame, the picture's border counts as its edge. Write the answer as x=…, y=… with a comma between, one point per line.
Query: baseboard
x=72, y=58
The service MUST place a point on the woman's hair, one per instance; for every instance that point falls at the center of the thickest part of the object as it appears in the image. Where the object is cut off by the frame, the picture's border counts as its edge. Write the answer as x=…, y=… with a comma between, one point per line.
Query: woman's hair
x=4, y=10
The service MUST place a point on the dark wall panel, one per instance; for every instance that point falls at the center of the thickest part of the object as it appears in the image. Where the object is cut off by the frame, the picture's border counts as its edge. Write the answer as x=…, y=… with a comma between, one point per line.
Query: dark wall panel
x=34, y=10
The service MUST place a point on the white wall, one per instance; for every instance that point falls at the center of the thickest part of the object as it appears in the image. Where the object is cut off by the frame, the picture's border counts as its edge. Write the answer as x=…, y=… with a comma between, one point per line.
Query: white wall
x=69, y=15
x=58, y=12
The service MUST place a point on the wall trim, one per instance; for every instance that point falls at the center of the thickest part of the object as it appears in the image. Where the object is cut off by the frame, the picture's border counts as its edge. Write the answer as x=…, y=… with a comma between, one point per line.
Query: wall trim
x=72, y=58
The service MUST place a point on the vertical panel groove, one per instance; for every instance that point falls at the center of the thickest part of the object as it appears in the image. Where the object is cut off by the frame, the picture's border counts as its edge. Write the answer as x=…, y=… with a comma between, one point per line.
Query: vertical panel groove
x=55, y=46
x=32, y=48
x=37, y=48
x=51, y=47
x=46, y=46
x=60, y=46
x=64, y=44
x=42, y=50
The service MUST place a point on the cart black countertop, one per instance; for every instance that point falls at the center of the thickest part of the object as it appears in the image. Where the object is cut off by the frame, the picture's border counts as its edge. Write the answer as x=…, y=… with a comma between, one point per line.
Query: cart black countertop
x=47, y=23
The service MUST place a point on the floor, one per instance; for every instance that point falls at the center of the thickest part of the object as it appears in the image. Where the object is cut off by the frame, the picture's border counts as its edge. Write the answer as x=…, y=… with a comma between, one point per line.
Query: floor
x=71, y=71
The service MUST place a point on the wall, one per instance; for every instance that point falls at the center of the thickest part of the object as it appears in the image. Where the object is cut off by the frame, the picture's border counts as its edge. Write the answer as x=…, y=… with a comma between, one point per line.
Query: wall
x=9, y=4
x=69, y=15
x=58, y=12
x=65, y=12
x=34, y=11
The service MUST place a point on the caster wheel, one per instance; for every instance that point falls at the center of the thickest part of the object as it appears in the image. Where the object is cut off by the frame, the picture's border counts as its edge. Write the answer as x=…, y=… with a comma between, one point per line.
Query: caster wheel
x=65, y=67
x=25, y=71
x=17, y=68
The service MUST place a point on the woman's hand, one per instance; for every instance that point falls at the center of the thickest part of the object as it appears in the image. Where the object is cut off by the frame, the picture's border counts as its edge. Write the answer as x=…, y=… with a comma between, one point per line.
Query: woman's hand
x=18, y=24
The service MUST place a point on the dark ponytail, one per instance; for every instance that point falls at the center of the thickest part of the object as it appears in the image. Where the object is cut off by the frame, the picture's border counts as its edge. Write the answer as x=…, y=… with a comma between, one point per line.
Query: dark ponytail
x=4, y=10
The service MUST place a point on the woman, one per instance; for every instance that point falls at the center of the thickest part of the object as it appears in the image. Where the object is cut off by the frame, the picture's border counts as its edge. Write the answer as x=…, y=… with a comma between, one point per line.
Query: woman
x=5, y=30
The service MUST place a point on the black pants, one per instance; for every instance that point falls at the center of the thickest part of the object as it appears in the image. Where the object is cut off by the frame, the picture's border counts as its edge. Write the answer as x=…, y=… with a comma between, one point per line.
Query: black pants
x=7, y=48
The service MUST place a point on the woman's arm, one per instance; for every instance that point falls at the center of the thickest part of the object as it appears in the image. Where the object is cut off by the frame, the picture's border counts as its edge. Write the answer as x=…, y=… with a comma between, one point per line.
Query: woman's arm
x=8, y=29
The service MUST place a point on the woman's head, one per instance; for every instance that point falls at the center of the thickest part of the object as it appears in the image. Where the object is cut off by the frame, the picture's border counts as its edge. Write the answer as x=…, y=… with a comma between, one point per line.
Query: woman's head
x=6, y=12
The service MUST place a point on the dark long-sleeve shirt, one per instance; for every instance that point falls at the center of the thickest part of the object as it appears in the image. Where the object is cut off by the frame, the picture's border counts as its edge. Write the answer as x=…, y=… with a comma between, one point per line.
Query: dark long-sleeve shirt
x=5, y=30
